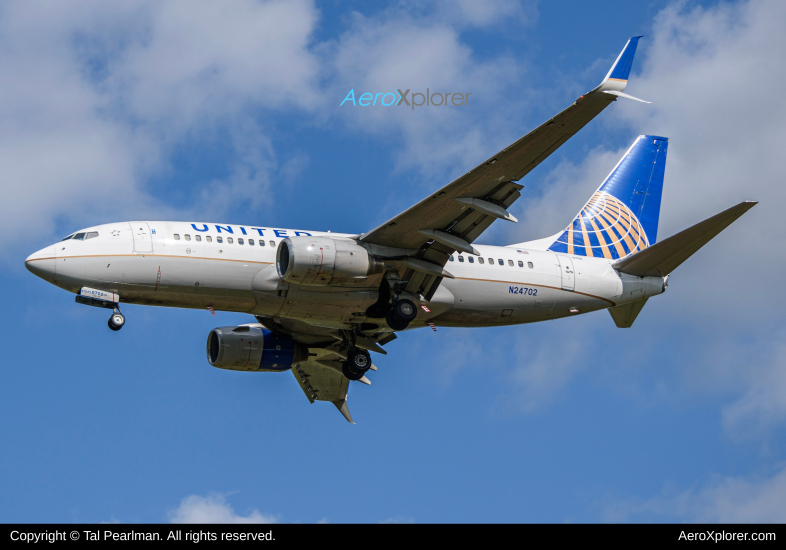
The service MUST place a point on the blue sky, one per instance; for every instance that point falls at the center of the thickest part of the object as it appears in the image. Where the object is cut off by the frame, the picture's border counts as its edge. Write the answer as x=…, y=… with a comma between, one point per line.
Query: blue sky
x=181, y=110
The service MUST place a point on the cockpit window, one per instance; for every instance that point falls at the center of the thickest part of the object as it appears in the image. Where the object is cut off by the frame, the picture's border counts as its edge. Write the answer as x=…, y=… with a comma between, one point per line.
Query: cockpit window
x=71, y=235
x=91, y=235
x=79, y=237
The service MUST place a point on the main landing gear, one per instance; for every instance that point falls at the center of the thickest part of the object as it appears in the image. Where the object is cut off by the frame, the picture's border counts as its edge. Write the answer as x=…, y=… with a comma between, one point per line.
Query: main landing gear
x=117, y=320
x=398, y=314
x=401, y=314
x=357, y=364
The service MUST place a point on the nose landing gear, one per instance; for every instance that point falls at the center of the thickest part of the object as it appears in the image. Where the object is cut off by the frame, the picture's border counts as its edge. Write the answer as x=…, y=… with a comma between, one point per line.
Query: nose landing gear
x=117, y=320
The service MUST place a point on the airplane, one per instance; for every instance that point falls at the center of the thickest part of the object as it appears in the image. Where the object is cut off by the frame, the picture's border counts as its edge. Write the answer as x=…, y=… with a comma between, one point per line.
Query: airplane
x=322, y=301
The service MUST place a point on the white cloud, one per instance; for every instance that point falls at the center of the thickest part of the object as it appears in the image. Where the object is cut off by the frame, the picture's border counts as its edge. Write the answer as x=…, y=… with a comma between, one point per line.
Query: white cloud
x=721, y=500
x=213, y=509
x=398, y=519
x=97, y=96
x=402, y=48
x=200, y=60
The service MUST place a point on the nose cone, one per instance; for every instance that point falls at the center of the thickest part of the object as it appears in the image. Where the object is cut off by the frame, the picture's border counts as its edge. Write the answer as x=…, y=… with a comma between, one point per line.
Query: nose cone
x=42, y=263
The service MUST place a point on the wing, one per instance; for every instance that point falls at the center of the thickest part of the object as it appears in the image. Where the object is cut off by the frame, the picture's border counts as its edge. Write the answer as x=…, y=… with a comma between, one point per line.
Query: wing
x=320, y=381
x=320, y=377
x=453, y=217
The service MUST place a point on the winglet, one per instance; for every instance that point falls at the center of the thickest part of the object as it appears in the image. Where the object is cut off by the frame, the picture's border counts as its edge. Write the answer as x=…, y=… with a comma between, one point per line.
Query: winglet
x=341, y=405
x=617, y=78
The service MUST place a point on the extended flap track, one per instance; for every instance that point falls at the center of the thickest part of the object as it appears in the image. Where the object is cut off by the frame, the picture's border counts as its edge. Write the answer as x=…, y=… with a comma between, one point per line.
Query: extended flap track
x=307, y=387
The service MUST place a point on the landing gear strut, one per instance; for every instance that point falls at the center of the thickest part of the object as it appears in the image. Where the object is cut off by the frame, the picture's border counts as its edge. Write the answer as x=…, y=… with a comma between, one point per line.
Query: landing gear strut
x=116, y=321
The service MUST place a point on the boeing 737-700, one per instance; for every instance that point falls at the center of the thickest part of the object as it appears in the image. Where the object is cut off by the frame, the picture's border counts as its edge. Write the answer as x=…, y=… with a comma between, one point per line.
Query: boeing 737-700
x=322, y=301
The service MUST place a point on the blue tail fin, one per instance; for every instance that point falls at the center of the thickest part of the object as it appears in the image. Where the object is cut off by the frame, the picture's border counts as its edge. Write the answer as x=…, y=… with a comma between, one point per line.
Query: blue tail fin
x=622, y=216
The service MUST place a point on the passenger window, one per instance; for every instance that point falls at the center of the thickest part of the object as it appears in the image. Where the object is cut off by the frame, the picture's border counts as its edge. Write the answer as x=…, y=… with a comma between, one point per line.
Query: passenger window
x=197, y=238
x=273, y=244
x=240, y=241
x=219, y=239
x=251, y=242
x=471, y=259
x=510, y=263
x=79, y=237
x=261, y=242
x=461, y=258
x=177, y=237
x=230, y=240
x=450, y=258
x=187, y=237
x=91, y=235
x=491, y=261
x=521, y=264
x=501, y=261
x=530, y=265
x=481, y=260
x=71, y=235
x=209, y=239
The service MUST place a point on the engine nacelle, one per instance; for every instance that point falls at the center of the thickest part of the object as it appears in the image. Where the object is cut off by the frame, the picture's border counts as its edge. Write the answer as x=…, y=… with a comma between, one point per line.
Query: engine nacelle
x=318, y=261
x=250, y=348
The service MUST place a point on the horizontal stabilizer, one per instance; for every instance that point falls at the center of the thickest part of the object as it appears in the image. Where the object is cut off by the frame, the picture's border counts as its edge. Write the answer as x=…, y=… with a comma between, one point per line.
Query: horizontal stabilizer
x=662, y=258
x=625, y=314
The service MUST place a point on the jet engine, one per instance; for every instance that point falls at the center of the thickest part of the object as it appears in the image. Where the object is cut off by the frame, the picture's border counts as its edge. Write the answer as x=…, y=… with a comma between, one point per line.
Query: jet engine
x=318, y=261
x=251, y=348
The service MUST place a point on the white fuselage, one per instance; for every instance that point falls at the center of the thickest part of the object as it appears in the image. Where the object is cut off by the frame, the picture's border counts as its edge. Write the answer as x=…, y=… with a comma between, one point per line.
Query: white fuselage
x=163, y=264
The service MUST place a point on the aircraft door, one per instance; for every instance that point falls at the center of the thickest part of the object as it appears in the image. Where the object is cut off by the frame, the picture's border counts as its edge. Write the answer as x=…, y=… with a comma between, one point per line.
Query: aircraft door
x=568, y=276
x=143, y=241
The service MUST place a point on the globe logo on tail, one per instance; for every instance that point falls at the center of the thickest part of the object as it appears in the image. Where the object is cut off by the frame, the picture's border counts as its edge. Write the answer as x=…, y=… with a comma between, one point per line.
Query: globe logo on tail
x=605, y=228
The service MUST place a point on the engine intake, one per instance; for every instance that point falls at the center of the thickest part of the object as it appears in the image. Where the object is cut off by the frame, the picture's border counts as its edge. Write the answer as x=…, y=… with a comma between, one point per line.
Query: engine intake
x=250, y=348
x=318, y=261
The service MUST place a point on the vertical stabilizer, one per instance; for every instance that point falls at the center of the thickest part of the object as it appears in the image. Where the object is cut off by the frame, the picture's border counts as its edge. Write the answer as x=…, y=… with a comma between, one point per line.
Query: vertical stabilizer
x=621, y=218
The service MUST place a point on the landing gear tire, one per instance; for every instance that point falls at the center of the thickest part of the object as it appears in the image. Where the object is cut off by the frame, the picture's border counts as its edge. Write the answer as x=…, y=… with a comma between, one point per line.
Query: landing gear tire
x=401, y=314
x=116, y=321
x=395, y=323
x=405, y=310
x=348, y=373
x=357, y=364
